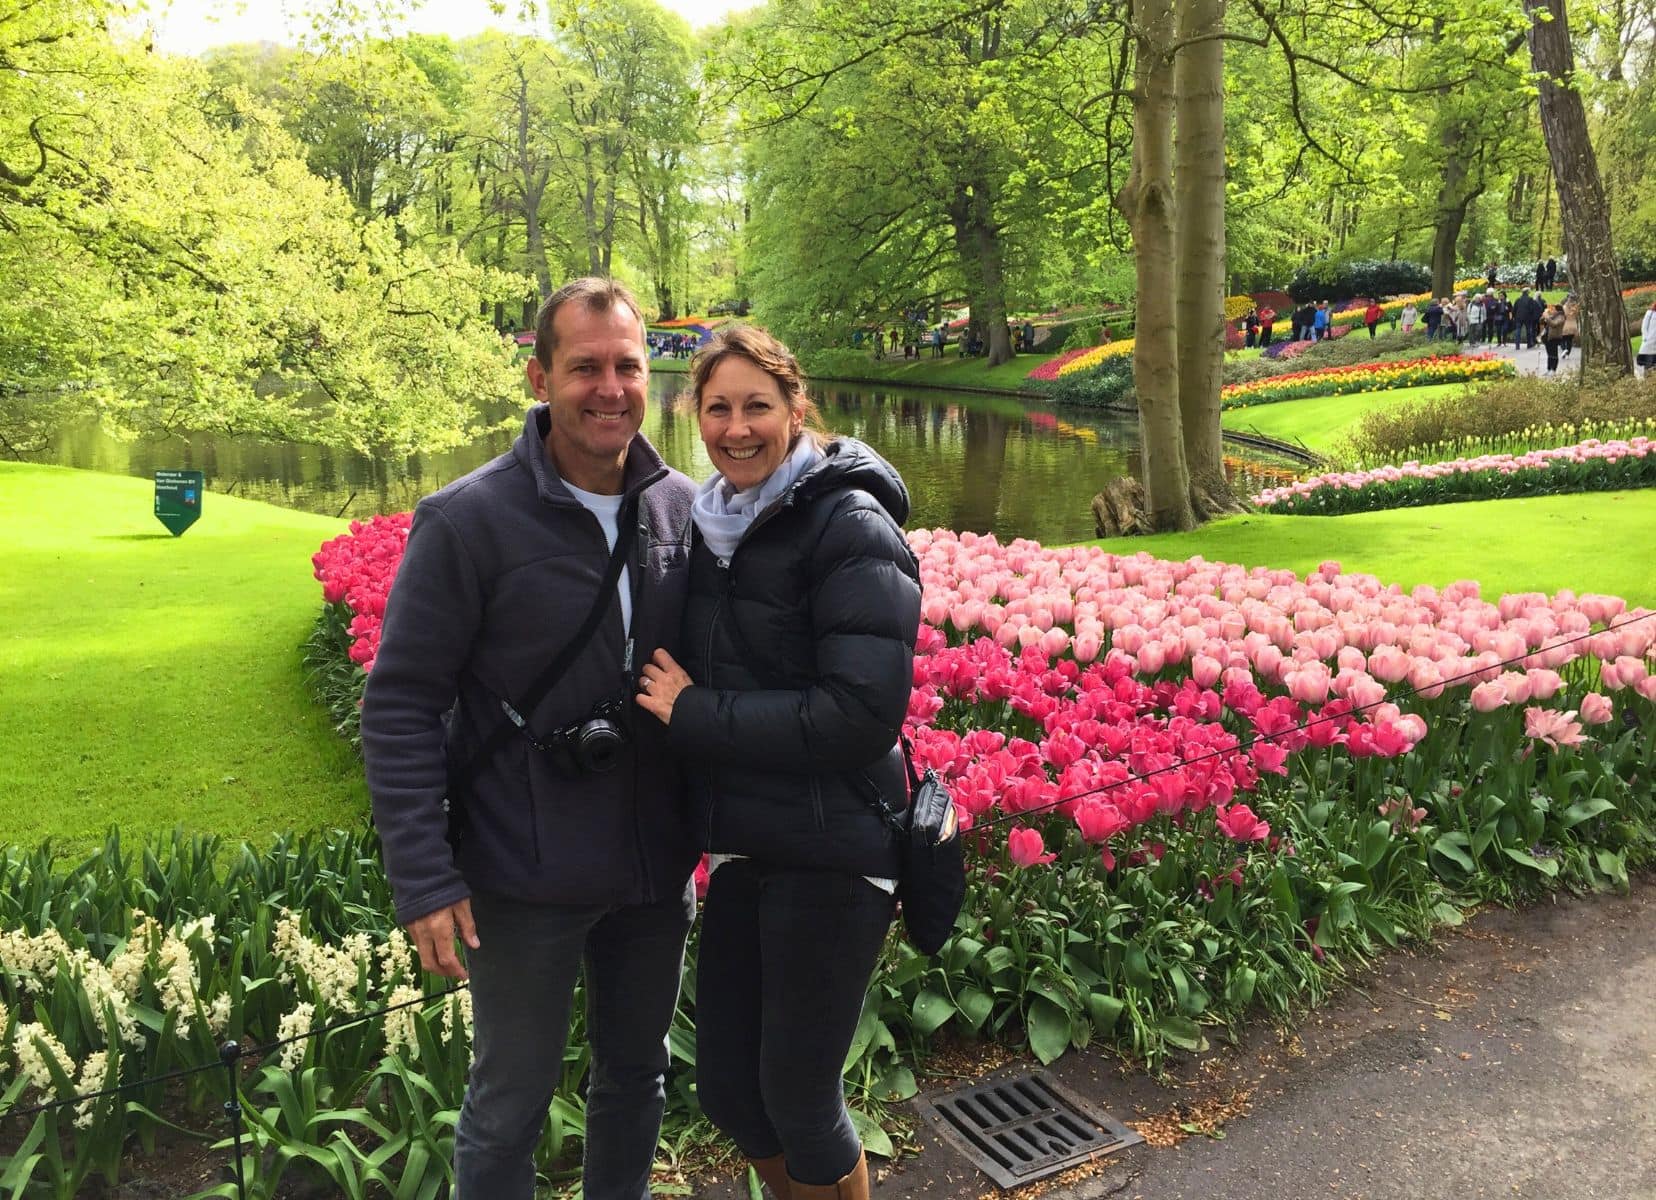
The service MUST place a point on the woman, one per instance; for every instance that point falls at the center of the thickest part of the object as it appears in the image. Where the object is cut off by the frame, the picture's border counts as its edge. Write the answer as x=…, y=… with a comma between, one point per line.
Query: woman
x=1372, y=315
x=1552, y=333
x=1572, y=323
x=804, y=604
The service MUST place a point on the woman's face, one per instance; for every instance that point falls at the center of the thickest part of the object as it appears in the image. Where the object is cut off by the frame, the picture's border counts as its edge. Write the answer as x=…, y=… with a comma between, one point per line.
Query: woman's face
x=746, y=423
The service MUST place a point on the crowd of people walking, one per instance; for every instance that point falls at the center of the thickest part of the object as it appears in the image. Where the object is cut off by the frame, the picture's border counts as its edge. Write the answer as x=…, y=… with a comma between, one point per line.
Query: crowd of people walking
x=1490, y=317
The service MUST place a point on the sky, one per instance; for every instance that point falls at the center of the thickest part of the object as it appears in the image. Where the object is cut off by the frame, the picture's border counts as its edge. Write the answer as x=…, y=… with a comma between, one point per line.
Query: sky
x=191, y=26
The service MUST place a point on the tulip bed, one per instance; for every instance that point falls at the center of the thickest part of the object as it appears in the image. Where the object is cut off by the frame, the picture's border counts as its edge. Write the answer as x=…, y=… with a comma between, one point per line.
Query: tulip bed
x=1365, y=377
x=1590, y=466
x=1292, y=348
x=1183, y=783
x=1094, y=355
x=1189, y=791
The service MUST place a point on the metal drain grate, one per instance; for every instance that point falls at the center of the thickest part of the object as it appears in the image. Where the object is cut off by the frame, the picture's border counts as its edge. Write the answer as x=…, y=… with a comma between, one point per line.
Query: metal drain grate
x=1023, y=1129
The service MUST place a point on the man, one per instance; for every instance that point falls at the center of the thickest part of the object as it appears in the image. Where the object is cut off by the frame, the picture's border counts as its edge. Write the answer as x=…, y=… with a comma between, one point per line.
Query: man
x=1526, y=312
x=553, y=854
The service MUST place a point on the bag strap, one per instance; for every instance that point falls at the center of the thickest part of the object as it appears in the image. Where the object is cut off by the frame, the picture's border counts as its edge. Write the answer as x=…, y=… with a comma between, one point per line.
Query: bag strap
x=555, y=670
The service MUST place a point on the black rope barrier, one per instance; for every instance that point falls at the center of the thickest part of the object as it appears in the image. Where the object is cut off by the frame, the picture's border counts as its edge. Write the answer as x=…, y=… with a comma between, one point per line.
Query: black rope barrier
x=1244, y=743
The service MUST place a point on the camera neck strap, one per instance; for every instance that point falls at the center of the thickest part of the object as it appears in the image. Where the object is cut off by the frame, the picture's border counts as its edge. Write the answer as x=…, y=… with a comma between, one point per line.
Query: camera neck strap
x=555, y=670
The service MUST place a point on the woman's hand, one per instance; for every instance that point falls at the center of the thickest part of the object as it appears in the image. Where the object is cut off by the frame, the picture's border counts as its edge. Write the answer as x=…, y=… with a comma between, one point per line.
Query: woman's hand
x=659, y=684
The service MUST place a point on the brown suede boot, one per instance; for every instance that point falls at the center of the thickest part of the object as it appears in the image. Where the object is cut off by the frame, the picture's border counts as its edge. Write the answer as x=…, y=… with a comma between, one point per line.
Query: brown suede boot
x=853, y=1187
x=773, y=1173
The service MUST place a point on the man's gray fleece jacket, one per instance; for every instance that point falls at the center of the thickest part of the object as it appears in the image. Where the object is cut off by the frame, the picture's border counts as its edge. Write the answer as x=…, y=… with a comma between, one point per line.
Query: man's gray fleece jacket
x=501, y=568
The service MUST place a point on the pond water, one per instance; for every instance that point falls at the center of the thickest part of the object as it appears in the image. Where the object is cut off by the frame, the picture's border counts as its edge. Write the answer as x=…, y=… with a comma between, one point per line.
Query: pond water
x=992, y=464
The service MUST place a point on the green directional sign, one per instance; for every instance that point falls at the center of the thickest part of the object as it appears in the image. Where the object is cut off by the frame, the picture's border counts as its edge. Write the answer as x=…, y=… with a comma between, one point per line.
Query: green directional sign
x=178, y=498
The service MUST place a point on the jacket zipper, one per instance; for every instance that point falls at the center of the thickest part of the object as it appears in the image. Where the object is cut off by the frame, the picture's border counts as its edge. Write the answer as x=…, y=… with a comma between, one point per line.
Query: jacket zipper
x=712, y=771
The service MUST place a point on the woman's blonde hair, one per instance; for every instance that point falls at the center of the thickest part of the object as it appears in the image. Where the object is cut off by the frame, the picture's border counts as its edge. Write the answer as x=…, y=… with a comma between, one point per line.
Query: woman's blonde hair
x=764, y=350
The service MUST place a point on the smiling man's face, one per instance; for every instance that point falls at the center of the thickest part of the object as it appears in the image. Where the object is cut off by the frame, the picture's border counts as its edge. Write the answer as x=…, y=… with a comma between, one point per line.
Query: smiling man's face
x=595, y=389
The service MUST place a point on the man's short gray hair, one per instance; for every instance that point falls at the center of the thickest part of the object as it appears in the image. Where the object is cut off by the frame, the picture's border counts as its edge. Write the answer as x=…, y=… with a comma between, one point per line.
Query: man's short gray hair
x=595, y=294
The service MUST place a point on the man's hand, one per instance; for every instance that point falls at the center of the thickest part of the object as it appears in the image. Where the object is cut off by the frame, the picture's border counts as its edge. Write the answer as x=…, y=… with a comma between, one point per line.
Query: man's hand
x=434, y=935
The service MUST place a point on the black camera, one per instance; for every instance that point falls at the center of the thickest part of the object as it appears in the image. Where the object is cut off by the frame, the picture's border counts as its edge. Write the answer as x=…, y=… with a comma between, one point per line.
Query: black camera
x=592, y=746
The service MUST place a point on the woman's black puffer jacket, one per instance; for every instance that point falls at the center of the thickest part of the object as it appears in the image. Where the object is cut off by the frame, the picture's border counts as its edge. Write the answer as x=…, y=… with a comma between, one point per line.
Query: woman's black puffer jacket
x=801, y=651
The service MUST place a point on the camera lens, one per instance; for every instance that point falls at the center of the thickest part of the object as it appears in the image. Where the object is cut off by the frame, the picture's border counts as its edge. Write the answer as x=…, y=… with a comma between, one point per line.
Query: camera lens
x=598, y=745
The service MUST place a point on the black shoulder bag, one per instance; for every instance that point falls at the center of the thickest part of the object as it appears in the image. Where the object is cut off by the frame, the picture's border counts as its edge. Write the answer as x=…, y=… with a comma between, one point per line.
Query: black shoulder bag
x=932, y=873
x=460, y=777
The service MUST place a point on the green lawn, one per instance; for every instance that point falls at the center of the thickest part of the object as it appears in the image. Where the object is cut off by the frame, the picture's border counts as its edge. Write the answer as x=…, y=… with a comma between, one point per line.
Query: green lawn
x=153, y=682
x=1590, y=543
x=950, y=371
x=1319, y=422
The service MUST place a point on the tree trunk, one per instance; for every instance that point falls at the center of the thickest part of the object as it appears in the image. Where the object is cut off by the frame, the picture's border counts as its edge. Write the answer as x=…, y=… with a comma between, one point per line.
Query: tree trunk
x=1452, y=199
x=1582, y=207
x=982, y=264
x=1146, y=201
x=992, y=255
x=1199, y=171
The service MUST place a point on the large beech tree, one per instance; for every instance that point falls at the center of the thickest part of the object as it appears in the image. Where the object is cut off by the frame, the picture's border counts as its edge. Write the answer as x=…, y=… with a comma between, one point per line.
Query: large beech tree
x=1581, y=200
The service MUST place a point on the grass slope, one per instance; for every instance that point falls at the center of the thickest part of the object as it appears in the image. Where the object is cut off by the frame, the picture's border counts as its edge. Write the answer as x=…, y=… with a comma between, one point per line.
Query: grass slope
x=950, y=371
x=153, y=682
x=1320, y=422
x=1590, y=543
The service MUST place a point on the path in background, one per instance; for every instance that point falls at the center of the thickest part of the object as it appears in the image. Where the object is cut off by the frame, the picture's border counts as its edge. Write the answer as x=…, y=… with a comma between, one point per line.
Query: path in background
x=1532, y=362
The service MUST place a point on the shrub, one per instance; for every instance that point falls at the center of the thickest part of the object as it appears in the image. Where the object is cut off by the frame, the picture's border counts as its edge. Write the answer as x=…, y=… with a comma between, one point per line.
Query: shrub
x=1109, y=385
x=1060, y=336
x=1328, y=280
x=1636, y=300
x=1637, y=266
x=1537, y=412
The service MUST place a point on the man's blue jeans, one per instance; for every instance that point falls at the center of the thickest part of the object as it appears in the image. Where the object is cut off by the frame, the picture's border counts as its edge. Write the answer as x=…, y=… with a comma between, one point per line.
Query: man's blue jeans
x=522, y=982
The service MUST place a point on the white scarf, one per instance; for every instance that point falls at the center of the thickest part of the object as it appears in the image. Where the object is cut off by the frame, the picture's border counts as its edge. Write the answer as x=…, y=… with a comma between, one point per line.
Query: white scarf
x=724, y=514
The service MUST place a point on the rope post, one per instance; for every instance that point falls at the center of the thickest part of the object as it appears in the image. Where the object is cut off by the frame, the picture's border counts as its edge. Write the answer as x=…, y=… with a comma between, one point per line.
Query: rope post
x=230, y=1055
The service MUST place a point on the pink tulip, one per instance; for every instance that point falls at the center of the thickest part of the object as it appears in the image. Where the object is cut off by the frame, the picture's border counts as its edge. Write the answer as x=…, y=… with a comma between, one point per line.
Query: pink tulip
x=1054, y=642
x=1558, y=729
x=1026, y=848
x=1151, y=658
x=1487, y=697
x=1086, y=647
x=1309, y=684
x=1596, y=708
x=1205, y=670
x=1099, y=821
x=1544, y=683
x=1239, y=824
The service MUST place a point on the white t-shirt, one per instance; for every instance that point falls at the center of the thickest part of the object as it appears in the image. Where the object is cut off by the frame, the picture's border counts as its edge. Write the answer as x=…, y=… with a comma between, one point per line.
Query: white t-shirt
x=608, y=511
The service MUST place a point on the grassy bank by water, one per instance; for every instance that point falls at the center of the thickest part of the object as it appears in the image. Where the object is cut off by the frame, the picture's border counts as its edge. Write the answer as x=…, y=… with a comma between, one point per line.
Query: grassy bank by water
x=153, y=682
x=947, y=372
x=1320, y=422
x=1590, y=543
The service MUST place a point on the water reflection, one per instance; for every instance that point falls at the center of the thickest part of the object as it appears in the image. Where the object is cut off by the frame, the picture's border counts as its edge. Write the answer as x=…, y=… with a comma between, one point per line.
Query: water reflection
x=985, y=463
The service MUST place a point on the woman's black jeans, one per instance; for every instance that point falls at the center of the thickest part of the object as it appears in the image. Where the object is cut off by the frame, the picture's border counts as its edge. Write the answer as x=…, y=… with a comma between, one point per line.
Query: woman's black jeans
x=785, y=960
